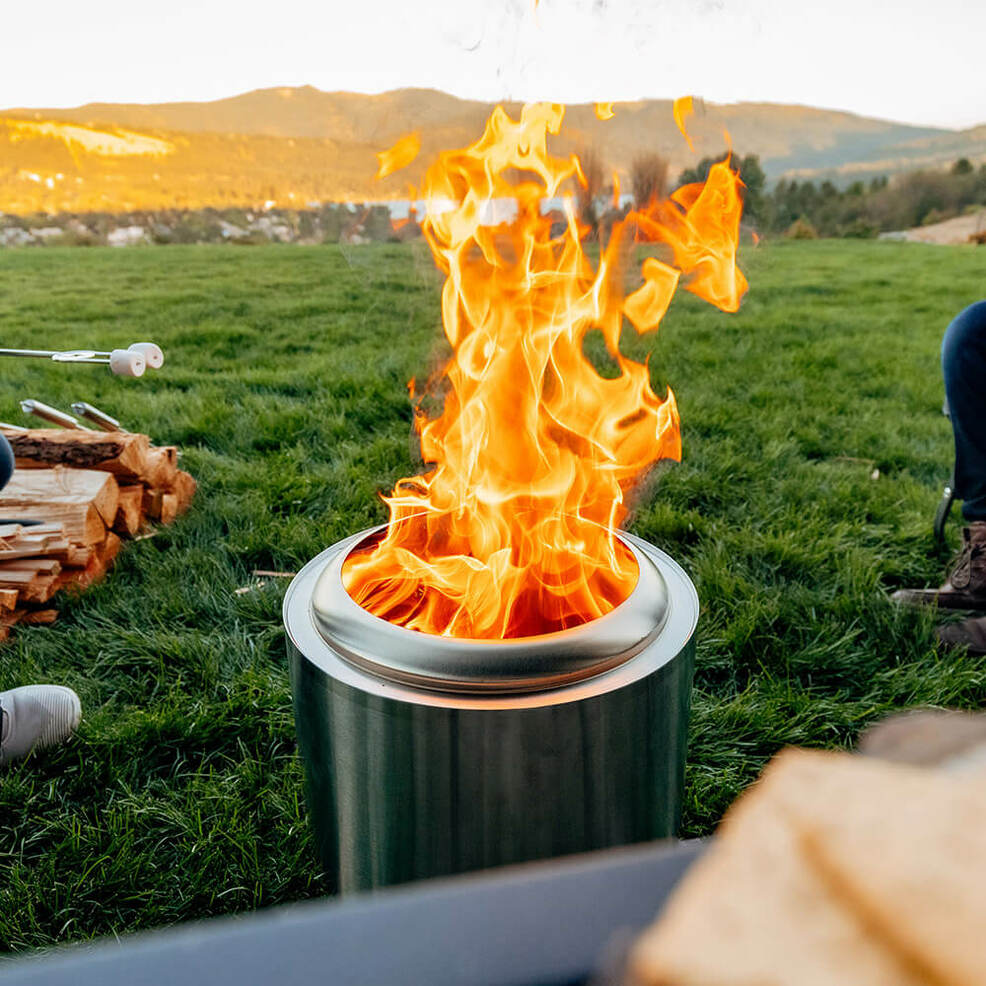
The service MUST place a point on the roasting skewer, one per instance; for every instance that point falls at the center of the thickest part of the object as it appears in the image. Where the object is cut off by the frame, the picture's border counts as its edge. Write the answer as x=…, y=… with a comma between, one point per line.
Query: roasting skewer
x=129, y=362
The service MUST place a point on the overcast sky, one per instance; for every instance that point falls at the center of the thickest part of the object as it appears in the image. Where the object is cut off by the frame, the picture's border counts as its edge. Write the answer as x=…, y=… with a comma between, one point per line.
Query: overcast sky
x=914, y=61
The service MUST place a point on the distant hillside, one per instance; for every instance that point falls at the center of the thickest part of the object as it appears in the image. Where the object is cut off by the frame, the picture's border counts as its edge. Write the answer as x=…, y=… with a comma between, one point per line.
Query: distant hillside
x=294, y=145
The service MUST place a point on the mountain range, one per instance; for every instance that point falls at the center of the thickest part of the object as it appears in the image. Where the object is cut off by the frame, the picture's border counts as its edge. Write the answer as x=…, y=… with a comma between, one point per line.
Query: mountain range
x=294, y=146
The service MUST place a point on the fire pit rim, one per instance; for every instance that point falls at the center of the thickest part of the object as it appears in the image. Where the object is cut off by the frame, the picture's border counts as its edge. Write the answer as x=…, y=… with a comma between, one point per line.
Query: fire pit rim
x=671, y=625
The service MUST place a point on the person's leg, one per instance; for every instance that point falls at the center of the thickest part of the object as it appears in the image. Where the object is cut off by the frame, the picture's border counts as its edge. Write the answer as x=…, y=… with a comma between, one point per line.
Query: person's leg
x=963, y=358
x=6, y=461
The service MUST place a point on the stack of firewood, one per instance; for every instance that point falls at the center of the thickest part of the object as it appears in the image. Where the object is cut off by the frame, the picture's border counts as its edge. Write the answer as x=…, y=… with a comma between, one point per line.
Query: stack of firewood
x=88, y=489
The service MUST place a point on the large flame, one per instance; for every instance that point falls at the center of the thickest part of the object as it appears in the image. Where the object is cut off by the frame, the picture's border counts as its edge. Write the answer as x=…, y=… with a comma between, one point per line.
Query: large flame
x=511, y=531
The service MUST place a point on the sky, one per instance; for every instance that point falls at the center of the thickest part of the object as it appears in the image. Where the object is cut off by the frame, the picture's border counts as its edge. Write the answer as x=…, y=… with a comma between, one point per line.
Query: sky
x=913, y=62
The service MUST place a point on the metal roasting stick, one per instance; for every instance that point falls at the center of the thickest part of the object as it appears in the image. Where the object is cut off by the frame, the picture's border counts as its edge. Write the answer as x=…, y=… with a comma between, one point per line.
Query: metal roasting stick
x=129, y=362
x=48, y=413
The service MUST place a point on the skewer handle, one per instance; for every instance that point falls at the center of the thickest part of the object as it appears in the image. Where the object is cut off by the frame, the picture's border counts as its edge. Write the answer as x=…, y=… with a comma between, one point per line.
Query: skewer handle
x=48, y=413
x=97, y=417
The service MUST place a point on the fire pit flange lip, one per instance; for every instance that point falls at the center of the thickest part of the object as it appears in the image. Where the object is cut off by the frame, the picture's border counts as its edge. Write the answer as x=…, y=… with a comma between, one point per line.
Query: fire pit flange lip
x=390, y=653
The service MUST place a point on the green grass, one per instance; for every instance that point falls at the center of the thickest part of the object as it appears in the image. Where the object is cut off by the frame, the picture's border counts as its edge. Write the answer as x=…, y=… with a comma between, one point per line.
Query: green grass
x=182, y=794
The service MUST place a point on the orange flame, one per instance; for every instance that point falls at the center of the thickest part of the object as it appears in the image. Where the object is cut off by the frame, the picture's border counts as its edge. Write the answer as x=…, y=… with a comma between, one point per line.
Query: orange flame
x=684, y=107
x=616, y=189
x=511, y=530
x=399, y=156
x=604, y=111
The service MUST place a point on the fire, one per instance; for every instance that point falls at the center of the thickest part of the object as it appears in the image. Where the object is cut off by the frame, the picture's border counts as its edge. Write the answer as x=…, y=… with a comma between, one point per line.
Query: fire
x=511, y=530
x=604, y=111
x=684, y=107
x=399, y=156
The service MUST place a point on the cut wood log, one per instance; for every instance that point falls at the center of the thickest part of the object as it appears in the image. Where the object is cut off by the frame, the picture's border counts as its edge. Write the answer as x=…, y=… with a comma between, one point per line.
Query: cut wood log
x=12, y=618
x=120, y=453
x=161, y=468
x=41, y=589
x=8, y=599
x=129, y=515
x=169, y=508
x=78, y=499
x=151, y=504
x=184, y=488
x=78, y=556
x=109, y=549
x=62, y=485
x=33, y=617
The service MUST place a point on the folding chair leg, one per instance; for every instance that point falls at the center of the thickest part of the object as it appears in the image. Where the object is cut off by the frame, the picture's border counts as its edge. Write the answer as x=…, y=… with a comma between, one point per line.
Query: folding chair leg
x=944, y=507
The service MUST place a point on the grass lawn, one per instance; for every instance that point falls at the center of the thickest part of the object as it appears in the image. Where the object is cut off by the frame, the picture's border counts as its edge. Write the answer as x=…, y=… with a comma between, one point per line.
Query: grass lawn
x=814, y=452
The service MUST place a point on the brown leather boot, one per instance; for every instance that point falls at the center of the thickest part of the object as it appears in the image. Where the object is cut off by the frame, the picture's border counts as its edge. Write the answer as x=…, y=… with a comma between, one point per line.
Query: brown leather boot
x=969, y=633
x=965, y=587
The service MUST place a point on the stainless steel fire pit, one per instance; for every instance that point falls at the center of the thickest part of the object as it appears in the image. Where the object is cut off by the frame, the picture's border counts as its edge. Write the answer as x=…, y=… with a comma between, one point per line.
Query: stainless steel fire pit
x=429, y=755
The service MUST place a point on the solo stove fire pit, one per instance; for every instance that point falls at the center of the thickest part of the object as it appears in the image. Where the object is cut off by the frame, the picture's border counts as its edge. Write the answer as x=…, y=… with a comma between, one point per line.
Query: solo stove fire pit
x=499, y=674
x=427, y=756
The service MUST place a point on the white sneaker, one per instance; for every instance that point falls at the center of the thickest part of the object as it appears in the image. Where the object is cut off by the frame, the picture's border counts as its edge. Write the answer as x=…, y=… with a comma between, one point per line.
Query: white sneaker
x=36, y=716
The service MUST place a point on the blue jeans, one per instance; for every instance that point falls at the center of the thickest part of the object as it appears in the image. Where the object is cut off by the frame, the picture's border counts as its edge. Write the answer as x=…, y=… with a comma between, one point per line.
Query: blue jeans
x=963, y=359
x=6, y=462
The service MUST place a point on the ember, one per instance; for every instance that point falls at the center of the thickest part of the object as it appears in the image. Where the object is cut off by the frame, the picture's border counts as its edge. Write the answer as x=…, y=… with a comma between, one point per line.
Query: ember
x=511, y=531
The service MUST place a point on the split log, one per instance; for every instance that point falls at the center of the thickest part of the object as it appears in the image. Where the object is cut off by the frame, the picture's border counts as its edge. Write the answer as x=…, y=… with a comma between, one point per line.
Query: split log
x=120, y=453
x=8, y=599
x=184, y=488
x=41, y=589
x=38, y=616
x=169, y=508
x=151, y=503
x=129, y=515
x=109, y=549
x=161, y=467
x=79, y=499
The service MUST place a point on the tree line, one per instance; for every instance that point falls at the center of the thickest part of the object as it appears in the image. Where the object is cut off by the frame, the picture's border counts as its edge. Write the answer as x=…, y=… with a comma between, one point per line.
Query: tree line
x=807, y=208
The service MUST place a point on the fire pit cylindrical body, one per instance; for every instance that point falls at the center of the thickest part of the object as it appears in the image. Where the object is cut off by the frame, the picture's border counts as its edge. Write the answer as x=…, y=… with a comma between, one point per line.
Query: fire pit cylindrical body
x=426, y=756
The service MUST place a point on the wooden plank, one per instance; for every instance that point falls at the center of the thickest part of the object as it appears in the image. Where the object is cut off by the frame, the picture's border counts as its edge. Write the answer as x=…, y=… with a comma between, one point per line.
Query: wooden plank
x=49, y=566
x=129, y=515
x=117, y=452
x=17, y=578
x=15, y=555
x=52, y=528
x=81, y=522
